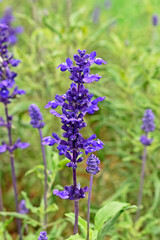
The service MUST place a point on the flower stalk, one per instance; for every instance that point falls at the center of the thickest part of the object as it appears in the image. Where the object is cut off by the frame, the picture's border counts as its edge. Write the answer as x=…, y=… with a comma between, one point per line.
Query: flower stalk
x=88, y=206
x=147, y=126
x=14, y=181
x=36, y=122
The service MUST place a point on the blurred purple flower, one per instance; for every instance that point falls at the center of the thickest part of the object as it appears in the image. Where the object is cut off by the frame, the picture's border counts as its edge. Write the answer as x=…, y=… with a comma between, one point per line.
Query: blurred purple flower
x=22, y=207
x=148, y=121
x=12, y=32
x=155, y=20
x=96, y=14
x=108, y=4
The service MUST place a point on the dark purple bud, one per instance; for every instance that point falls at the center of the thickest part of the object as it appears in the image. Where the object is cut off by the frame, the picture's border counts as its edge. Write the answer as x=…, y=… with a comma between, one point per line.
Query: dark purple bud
x=92, y=163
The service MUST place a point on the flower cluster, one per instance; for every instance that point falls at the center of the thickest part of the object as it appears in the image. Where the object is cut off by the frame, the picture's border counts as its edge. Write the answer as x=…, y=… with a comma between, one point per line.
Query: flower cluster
x=36, y=116
x=92, y=164
x=43, y=236
x=147, y=126
x=12, y=32
x=22, y=207
x=8, y=90
x=75, y=104
x=71, y=193
x=7, y=77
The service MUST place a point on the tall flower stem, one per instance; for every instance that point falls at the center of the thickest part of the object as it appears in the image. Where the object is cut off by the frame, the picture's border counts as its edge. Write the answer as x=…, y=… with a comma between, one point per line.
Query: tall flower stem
x=1, y=209
x=45, y=176
x=88, y=206
x=141, y=182
x=14, y=181
x=76, y=203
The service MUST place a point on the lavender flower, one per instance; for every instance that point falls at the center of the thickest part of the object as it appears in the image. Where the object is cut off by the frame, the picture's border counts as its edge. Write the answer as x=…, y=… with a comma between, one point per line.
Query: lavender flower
x=36, y=122
x=9, y=91
x=43, y=236
x=22, y=207
x=12, y=32
x=155, y=20
x=148, y=126
x=7, y=77
x=75, y=104
x=36, y=116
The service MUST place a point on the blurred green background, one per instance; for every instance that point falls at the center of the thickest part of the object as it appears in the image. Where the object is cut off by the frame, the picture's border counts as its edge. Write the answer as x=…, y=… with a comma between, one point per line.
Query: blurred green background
x=121, y=32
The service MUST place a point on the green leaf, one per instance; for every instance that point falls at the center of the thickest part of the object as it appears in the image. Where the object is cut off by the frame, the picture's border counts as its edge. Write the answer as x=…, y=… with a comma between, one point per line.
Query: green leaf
x=35, y=169
x=24, y=217
x=108, y=215
x=75, y=237
x=107, y=212
x=29, y=204
x=52, y=208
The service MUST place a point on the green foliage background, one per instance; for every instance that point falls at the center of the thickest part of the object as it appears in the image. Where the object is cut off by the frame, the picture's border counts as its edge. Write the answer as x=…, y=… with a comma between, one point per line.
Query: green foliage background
x=123, y=36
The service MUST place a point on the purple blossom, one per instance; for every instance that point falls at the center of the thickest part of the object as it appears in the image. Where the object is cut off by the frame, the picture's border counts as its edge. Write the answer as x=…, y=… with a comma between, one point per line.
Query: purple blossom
x=148, y=121
x=75, y=104
x=22, y=207
x=43, y=236
x=145, y=140
x=92, y=164
x=18, y=144
x=155, y=20
x=7, y=77
x=147, y=126
x=71, y=193
x=36, y=116
x=12, y=32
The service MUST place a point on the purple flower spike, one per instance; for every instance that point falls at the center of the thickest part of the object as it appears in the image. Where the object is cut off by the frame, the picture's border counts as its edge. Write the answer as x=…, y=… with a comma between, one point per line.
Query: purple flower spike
x=74, y=105
x=36, y=116
x=22, y=207
x=155, y=20
x=92, y=163
x=43, y=236
x=148, y=121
